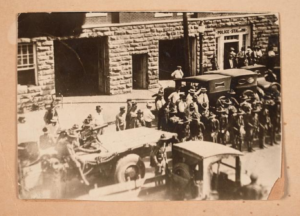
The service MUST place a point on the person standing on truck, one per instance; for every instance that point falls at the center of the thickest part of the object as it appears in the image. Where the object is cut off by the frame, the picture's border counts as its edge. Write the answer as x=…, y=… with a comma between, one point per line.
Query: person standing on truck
x=177, y=74
x=148, y=115
x=158, y=157
x=99, y=119
x=46, y=140
x=120, y=119
x=50, y=113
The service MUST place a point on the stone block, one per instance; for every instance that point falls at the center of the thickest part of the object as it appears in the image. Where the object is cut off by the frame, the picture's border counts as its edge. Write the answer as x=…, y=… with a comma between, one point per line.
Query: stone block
x=108, y=33
x=45, y=48
x=138, y=40
x=135, y=31
x=39, y=39
x=141, y=48
x=24, y=40
x=136, y=36
x=145, y=30
x=44, y=67
x=120, y=32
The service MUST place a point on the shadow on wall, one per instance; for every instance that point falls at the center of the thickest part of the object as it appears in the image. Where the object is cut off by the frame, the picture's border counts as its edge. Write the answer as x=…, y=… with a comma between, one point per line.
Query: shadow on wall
x=49, y=24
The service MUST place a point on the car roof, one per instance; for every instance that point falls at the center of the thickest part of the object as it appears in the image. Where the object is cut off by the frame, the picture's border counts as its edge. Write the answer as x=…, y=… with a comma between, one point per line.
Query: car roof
x=253, y=67
x=203, y=78
x=233, y=72
x=121, y=141
x=203, y=149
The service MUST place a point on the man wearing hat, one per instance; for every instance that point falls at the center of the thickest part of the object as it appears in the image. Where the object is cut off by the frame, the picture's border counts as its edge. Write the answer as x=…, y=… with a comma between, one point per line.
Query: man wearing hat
x=46, y=140
x=202, y=98
x=245, y=105
x=158, y=157
x=132, y=114
x=148, y=116
x=127, y=118
x=256, y=124
x=249, y=128
x=139, y=121
x=99, y=119
x=50, y=113
x=120, y=119
x=241, y=58
x=181, y=105
x=197, y=127
x=190, y=95
x=231, y=59
x=174, y=97
x=183, y=129
x=213, y=128
x=177, y=74
x=159, y=104
x=223, y=120
x=266, y=123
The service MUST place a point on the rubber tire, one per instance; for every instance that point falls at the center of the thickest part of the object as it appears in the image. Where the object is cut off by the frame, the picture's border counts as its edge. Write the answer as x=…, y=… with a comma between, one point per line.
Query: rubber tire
x=184, y=170
x=124, y=162
x=179, y=191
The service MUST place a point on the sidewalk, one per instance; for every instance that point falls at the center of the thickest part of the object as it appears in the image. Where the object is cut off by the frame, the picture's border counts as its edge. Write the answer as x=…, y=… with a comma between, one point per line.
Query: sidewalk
x=138, y=95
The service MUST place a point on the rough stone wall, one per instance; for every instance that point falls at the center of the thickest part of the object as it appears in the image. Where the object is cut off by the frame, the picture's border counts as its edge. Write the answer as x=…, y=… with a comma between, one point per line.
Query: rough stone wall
x=124, y=41
x=263, y=28
x=45, y=72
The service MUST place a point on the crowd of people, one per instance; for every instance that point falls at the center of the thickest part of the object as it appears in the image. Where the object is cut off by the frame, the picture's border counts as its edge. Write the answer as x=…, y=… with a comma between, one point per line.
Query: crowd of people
x=231, y=120
x=248, y=56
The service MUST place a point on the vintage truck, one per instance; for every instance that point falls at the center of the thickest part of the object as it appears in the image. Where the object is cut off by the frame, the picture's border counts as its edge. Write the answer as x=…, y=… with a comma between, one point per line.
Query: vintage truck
x=219, y=82
x=205, y=170
x=114, y=156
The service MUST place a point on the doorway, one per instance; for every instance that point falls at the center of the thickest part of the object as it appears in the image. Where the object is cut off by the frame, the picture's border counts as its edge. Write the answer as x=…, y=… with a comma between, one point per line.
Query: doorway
x=80, y=67
x=171, y=54
x=139, y=71
x=227, y=47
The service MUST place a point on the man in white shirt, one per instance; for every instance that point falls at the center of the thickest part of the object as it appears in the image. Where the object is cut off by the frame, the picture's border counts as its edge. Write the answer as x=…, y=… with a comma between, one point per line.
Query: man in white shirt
x=120, y=119
x=174, y=97
x=99, y=119
x=148, y=116
x=177, y=74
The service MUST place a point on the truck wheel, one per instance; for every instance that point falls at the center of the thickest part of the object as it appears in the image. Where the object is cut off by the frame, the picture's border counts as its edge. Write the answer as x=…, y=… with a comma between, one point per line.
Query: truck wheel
x=179, y=186
x=182, y=170
x=129, y=167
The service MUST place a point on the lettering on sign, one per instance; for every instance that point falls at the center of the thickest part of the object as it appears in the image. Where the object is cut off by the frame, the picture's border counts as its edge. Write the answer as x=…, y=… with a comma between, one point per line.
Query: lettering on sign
x=231, y=31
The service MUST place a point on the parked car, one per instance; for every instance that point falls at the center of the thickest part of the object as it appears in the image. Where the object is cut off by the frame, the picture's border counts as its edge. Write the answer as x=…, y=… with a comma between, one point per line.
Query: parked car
x=241, y=79
x=215, y=84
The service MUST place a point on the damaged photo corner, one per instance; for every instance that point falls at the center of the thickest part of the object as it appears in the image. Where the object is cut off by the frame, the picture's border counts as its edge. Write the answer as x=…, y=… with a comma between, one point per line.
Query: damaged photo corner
x=139, y=106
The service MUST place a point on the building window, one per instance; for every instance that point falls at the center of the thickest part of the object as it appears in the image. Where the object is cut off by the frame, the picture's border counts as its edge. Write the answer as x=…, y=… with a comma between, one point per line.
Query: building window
x=231, y=37
x=96, y=14
x=181, y=14
x=163, y=14
x=26, y=64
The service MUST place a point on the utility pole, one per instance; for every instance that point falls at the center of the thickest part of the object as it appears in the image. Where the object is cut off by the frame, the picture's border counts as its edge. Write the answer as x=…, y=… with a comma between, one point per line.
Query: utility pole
x=187, y=53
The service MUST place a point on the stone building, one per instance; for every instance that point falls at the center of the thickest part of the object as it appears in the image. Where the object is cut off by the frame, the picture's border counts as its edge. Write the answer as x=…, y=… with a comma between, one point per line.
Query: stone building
x=113, y=53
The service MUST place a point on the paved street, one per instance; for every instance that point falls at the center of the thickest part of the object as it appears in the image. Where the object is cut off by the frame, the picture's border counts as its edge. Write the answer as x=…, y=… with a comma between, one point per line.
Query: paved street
x=263, y=162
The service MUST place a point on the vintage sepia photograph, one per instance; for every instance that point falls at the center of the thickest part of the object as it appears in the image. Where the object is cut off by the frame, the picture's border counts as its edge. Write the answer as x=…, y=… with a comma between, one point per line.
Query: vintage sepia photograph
x=141, y=106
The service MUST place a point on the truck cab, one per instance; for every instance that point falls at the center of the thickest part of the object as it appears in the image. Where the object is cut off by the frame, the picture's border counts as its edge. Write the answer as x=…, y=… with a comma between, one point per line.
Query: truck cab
x=204, y=170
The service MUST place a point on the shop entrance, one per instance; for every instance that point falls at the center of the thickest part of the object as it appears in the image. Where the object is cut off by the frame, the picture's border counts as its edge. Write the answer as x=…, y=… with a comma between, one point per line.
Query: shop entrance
x=80, y=67
x=139, y=71
x=227, y=47
x=171, y=54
